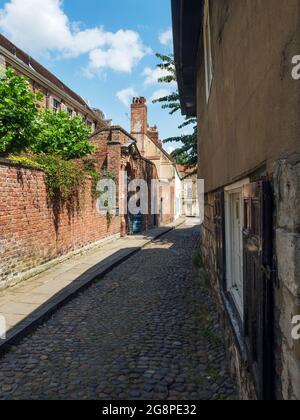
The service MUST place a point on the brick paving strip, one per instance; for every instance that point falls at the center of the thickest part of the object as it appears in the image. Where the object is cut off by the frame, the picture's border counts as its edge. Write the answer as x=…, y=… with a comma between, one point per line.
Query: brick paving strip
x=31, y=302
x=146, y=330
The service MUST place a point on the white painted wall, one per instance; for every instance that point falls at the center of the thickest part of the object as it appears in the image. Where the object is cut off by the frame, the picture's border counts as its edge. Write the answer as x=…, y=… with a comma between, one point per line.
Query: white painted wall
x=177, y=197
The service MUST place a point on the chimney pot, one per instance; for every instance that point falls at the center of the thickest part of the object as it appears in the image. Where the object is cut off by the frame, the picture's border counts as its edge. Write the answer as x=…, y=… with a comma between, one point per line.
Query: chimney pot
x=139, y=116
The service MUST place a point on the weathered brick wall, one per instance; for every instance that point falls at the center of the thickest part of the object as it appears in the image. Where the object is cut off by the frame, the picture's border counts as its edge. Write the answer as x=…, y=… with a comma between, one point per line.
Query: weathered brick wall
x=33, y=232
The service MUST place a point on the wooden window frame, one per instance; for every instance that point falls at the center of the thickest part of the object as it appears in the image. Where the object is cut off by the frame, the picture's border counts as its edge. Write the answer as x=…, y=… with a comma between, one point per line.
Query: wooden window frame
x=229, y=285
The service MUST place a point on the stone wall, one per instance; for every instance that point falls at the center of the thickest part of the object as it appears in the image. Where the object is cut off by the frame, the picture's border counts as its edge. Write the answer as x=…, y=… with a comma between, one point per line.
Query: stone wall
x=235, y=351
x=33, y=231
x=287, y=295
x=286, y=182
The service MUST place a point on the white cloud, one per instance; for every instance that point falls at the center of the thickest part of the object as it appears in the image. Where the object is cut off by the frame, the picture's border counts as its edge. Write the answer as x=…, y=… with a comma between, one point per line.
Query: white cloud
x=159, y=94
x=126, y=95
x=152, y=75
x=166, y=38
x=40, y=26
x=124, y=49
x=36, y=26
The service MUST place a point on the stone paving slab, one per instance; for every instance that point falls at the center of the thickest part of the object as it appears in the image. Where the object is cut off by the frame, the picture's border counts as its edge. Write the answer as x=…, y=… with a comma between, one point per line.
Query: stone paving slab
x=27, y=304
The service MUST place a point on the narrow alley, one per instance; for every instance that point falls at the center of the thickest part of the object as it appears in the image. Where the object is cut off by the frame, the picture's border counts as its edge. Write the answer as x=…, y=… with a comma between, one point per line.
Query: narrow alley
x=147, y=330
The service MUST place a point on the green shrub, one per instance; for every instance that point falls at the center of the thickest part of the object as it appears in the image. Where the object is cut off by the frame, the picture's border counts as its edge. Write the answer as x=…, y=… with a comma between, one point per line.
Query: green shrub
x=49, y=141
x=18, y=113
x=25, y=161
x=24, y=127
x=62, y=135
x=91, y=169
x=63, y=178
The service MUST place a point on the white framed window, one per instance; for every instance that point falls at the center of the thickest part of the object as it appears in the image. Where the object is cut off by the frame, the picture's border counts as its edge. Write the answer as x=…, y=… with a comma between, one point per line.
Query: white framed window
x=207, y=49
x=70, y=112
x=56, y=105
x=234, y=223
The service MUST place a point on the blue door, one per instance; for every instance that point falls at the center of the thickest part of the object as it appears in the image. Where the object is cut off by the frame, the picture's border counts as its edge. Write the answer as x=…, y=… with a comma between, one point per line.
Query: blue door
x=137, y=223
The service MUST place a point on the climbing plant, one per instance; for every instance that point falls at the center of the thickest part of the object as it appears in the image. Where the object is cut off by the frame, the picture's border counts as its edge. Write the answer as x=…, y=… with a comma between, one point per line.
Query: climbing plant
x=64, y=178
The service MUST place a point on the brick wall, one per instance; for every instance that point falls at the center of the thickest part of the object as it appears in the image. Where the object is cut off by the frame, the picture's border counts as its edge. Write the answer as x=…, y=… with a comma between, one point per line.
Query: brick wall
x=110, y=155
x=32, y=232
x=167, y=194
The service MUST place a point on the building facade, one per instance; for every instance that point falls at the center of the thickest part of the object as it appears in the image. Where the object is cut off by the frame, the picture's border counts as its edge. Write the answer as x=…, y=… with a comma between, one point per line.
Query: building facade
x=56, y=95
x=234, y=66
x=117, y=153
x=189, y=191
x=151, y=148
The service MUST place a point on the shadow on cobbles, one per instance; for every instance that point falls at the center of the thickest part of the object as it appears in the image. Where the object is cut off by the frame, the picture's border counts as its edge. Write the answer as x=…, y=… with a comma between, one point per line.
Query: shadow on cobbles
x=147, y=330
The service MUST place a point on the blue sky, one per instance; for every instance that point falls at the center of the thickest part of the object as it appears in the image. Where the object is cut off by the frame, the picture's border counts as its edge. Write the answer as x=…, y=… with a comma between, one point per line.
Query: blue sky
x=104, y=50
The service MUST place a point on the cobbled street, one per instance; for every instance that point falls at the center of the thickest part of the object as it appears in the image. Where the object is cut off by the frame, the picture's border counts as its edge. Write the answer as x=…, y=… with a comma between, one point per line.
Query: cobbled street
x=147, y=330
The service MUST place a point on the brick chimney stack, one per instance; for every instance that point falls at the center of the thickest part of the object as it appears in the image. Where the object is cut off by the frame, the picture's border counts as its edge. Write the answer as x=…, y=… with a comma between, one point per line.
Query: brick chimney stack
x=139, y=116
x=154, y=134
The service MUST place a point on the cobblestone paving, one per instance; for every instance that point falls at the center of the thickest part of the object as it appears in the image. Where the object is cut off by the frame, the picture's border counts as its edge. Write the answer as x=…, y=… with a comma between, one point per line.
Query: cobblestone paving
x=148, y=330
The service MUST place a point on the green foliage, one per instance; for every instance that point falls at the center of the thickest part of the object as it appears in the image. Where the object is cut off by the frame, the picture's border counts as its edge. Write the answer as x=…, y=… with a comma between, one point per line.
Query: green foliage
x=91, y=169
x=25, y=128
x=187, y=152
x=109, y=218
x=63, y=178
x=108, y=175
x=62, y=135
x=18, y=113
x=25, y=161
x=47, y=140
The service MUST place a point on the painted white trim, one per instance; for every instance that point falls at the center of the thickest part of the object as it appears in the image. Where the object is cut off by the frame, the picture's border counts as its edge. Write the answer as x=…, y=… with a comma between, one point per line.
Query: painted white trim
x=237, y=185
x=231, y=285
